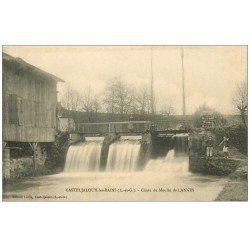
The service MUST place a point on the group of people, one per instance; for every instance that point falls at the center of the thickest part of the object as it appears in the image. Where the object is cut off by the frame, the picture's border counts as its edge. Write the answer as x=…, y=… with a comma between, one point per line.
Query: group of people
x=210, y=146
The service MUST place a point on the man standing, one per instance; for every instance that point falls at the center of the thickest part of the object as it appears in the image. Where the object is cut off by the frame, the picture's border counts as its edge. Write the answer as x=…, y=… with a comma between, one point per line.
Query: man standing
x=209, y=146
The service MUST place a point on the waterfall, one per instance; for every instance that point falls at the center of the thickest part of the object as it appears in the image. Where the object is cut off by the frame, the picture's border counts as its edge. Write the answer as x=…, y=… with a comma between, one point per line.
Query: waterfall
x=180, y=144
x=176, y=160
x=170, y=164
x=170, y=155
x=85, y=156
x=123, y=155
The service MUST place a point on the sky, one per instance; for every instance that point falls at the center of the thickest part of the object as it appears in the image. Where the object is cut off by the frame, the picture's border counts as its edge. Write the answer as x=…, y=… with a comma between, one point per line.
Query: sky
x=211, y=73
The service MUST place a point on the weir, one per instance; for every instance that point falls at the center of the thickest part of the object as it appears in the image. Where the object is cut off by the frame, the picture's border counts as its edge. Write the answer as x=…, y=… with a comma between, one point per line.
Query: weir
x=176, y=160
x=180, y=144
x=125, y=153
x=84, y=156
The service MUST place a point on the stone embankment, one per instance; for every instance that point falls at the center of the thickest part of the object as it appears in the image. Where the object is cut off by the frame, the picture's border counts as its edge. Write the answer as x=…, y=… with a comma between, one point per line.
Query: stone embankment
x=214, y=165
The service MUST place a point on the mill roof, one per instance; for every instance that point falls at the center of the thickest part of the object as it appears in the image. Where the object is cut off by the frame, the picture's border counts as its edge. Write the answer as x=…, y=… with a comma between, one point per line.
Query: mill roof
x=19, y=64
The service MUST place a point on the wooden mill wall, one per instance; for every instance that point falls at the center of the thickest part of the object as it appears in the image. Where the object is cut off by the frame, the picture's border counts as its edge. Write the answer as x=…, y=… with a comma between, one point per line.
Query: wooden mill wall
x=29, y=106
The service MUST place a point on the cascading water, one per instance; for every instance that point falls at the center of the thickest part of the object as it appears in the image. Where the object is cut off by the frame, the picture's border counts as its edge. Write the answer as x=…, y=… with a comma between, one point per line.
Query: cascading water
x=85, y=156
x=123, y=155
x=180, y=144
x=176, y=160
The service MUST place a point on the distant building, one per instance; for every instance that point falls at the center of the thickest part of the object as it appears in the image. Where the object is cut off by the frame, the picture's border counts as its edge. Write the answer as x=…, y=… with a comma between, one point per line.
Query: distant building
x=29, y=105
x=65, y=121
x=66, y=124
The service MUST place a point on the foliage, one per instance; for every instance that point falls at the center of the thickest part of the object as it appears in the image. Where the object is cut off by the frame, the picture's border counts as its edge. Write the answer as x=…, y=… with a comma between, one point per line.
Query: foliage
x=197, y=116
x=237, y=135
x=57, y=152
x=19, y=149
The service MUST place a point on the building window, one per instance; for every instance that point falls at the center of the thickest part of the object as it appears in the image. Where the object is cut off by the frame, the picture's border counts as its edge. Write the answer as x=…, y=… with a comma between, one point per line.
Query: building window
x=13, y=111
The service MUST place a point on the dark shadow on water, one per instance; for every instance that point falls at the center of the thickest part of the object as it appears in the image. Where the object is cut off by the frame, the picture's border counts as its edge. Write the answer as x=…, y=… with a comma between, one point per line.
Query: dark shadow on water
x=24, y=184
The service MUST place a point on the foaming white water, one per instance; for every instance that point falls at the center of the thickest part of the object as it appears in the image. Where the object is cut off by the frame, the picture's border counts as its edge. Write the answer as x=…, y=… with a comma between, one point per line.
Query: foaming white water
x=170, y=156
x=85, y=156
x=123, y=154
x=170, y=164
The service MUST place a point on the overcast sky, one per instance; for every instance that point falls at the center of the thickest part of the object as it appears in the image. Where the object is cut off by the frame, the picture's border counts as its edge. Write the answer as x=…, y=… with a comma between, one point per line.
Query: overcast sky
x=211, y=73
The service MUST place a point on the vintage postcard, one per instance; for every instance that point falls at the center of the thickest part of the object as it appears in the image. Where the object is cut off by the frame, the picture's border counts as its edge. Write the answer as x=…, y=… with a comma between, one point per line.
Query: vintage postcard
x=124, y=123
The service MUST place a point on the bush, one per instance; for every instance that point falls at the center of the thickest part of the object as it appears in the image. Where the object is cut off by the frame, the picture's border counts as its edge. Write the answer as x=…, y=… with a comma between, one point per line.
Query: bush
x=237, y=135
x=58, y=150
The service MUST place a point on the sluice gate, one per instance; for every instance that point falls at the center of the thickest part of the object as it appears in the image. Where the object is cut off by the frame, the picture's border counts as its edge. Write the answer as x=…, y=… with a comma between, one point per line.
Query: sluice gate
x=126, y=128
x=124, y=151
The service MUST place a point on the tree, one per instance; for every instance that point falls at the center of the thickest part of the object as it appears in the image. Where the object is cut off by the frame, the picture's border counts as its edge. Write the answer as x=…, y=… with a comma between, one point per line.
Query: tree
x=96, y=104
x=240, y=101
x=90, y=103
x=109, y=97
x=118, y=97
x=143, y=101
x=87, y=100
x=71, y=100
x=96, y=107
x=167, y=111
x=167, y=108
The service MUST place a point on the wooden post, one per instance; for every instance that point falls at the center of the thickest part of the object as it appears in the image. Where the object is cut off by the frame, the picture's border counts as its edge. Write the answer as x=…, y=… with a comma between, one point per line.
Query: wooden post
x=183, y=86
x=34, y=148
x=152, y=86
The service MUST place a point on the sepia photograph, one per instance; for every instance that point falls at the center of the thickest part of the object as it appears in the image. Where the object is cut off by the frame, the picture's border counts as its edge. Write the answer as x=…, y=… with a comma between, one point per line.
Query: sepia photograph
x=125, y=123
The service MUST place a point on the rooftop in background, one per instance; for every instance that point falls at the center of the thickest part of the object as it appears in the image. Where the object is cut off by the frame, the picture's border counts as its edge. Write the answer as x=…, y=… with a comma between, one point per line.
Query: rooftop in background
x=20, y=64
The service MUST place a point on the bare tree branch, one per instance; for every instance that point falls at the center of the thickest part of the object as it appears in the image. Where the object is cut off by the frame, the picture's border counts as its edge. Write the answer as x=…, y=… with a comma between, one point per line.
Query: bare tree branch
x=71, y=100
x=240, y=101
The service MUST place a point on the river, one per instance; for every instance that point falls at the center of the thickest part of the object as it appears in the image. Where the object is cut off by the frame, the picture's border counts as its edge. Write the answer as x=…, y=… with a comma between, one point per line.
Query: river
x=104, y=186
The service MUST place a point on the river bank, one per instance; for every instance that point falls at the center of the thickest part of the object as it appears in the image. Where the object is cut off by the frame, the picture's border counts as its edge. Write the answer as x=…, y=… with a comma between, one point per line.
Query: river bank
x=237, y=187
